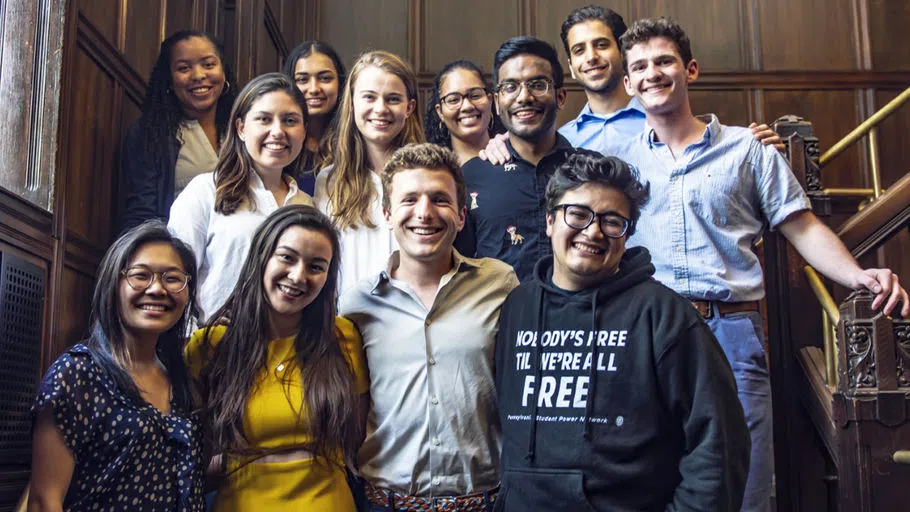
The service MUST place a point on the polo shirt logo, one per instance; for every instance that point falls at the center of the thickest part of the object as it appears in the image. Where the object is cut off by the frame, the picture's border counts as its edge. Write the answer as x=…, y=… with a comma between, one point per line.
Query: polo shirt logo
x=514, y=236
x=473, y=200
x=510, y=167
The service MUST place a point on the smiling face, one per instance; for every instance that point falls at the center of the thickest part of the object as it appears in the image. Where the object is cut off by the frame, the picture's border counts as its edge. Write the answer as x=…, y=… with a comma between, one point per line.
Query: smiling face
x=424, y=213
x=317, y=78
x=594, y=56
x=525, y=115
x=197, y=78
x=381, y=106
x=469, y=120
x=583, y=258
x=658, y=78
x=296, y=273
x=146, y=314
x=272, y=131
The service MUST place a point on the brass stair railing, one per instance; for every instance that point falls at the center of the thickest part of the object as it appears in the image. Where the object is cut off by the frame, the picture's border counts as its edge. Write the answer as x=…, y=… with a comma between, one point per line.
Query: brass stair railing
x=830, y=313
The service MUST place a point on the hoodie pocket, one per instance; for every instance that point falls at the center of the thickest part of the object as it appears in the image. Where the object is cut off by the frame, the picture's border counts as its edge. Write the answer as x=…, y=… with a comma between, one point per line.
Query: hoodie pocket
x=542, y=490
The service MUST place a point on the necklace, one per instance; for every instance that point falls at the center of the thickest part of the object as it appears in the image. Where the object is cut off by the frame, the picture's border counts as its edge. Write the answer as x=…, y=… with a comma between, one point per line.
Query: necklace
x=283, y=362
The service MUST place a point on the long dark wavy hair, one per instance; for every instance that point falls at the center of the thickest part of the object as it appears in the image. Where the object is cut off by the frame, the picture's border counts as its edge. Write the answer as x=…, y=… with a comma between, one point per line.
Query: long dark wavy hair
x=435, y=129
x=107, y=342
x=235, y=165
x=329, y=401
x=161, y=110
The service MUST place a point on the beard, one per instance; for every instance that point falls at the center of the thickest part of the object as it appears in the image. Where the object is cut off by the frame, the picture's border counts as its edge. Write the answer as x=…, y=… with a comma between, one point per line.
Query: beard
x=611, y=83
x=533, y=133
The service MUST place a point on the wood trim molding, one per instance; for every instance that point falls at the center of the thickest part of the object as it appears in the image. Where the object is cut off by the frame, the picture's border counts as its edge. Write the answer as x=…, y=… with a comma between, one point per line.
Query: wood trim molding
x=417, y=34
x=273, y=29
x=109, y=59
x=25, y=226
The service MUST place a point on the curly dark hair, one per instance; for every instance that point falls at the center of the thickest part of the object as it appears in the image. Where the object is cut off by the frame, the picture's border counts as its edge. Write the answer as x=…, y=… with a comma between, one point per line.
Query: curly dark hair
x=161, y=111
x=609, y=17
x=433, y=127
x=582, y=166
x=646, y=29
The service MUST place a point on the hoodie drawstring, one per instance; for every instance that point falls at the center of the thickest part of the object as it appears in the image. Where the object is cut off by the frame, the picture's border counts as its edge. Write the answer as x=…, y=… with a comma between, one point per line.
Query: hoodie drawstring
x=535, y=357
x=592, y=375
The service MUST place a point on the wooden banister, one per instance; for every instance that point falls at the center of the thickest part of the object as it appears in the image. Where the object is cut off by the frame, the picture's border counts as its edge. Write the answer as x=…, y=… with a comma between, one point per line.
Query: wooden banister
x=871, y=226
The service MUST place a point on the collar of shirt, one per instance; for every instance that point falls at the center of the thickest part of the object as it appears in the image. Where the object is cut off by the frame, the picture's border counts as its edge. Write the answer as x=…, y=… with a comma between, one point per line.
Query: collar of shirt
x=712, y=130
x=562, y=144
x=258, y=187
x=633, y=108
x=384, y=278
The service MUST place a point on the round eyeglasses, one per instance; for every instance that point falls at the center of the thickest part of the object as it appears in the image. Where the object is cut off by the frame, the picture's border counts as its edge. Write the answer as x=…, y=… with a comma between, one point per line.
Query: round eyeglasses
x=141, y=279
x=453, y=100
x=536, y=86
x=579, y=217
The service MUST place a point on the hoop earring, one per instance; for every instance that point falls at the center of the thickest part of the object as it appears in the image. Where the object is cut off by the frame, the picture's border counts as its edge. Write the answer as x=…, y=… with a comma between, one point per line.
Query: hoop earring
x=226, y=88
x=441, y=127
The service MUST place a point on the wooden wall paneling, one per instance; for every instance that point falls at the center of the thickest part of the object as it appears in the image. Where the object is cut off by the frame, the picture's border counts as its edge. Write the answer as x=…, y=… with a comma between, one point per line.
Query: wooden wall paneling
x=143, y=25
x=272, y=47
x=890, y=39
x=731, y=107
x=293, y=22
x=833, y=115
x=353, y=27
x=74, y=310
x=551, y=14
x=178, y=15
x=717, y=29
x=575, y=101
x=808, y=35
x=455, y=31
x=16, y=80
x=104, y=16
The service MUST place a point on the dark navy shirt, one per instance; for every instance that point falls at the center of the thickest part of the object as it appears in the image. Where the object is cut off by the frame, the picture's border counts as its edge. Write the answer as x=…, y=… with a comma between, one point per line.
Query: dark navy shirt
x=507, y=209
x=128, y=456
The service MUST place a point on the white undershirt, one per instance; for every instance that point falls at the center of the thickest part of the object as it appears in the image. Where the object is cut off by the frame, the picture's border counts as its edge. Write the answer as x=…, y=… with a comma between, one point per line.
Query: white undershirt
x=196, y=154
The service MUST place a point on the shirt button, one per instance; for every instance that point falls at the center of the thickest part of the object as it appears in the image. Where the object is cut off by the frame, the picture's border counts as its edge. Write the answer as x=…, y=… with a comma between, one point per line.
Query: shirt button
x=435, y=400
x=431, y=361
x=436, y=441
x=435, y=481
x=428, y=322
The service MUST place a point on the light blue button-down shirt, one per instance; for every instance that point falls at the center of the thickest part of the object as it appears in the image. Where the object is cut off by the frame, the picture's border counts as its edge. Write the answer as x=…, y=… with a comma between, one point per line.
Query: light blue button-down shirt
x=605, y=134
x=708, y=206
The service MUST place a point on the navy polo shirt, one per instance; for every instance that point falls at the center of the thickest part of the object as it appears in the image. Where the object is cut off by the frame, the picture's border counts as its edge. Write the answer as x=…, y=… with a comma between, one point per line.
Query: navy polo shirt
x=507, y=209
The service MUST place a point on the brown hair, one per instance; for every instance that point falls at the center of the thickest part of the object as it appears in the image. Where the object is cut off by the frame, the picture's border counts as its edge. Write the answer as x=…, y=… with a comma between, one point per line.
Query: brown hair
x=330, y=404
x=646, y=29
x=235, y=166
x=350, y=191
x=422, y=156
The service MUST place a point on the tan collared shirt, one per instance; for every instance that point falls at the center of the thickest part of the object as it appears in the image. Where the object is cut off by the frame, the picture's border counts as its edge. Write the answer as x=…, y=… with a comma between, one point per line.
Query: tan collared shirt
x=433, y=428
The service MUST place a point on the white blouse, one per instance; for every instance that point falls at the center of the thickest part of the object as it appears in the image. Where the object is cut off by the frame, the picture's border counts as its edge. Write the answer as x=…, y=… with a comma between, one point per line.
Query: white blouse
x=196, y=154
x=221, y=242
x=364, y=251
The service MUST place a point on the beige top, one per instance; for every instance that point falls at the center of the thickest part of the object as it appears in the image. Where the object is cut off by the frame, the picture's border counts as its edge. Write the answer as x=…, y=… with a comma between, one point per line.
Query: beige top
x=196, y=154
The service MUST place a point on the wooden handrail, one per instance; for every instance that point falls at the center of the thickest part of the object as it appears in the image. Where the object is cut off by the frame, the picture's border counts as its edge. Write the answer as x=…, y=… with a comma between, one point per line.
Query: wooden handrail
x=831, y=318
x=859, y=228
x=864, y=127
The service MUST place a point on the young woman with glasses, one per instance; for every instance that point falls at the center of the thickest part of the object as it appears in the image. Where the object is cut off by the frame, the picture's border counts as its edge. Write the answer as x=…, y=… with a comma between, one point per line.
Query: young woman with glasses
x=113, y=428
x=460, y=113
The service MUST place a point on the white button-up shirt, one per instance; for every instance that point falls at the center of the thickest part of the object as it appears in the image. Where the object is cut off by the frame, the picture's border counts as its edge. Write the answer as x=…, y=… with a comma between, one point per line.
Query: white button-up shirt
x=433, y=427
x=221, y=242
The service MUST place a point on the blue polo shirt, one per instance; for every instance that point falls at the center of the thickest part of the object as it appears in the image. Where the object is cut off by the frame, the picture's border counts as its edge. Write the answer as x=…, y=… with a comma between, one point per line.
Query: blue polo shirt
x=605, y=134
x=507, y=209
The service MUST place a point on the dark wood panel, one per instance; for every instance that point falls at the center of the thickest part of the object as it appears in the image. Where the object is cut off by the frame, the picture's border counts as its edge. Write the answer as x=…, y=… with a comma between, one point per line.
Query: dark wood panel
x=731, y=107
x=575, y=101
x=716, y=29
x=808, y=35
x=894, y=152
x=179, y=15
x=888, y=34
x=292, y=17
x=833, y=115
x=90, y=155
x=104, y=14
x=76, y=290
x=353, y=26
x=142, y=21
x=455, y=31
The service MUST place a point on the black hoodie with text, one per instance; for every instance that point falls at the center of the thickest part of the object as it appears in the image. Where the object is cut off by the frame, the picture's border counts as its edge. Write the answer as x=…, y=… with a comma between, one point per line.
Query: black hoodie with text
x=615, y=398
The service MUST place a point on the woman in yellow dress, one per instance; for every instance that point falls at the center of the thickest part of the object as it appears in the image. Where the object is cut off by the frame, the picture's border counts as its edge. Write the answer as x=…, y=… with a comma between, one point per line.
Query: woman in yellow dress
x=283, y=380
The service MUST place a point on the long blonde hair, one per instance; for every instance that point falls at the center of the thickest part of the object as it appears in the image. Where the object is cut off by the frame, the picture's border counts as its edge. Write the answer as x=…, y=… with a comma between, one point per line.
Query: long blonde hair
x=351, y=191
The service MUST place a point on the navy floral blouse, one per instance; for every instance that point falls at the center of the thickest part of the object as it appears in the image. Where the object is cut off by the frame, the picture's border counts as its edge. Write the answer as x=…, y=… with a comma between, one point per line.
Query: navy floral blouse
x=128, y=456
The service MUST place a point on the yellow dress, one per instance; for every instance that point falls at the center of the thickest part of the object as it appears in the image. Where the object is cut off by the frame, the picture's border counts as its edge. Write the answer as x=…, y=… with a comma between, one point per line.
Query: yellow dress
x=271, y=422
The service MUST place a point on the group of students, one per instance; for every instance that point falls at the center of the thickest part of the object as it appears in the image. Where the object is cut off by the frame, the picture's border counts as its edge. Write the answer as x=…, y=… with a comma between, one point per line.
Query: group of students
x=363, y=338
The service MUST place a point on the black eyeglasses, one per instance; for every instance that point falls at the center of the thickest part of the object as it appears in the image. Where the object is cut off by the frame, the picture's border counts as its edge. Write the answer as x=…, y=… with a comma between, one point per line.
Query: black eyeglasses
x=536, y=86
x=579, y=217
x=454, y=99
x=141, y=279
